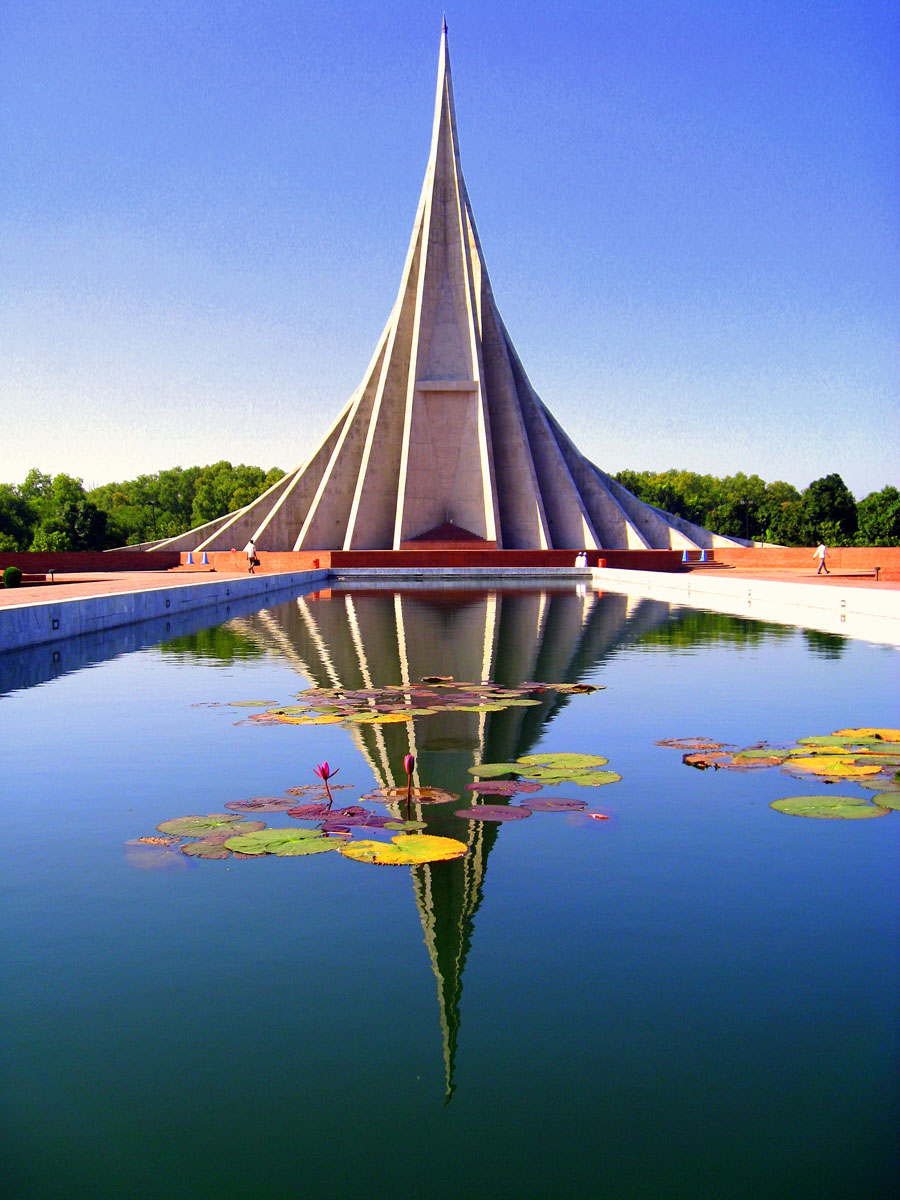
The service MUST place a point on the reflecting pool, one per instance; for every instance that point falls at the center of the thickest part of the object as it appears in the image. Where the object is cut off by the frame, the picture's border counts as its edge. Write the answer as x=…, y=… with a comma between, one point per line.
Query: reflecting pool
x=697, y=997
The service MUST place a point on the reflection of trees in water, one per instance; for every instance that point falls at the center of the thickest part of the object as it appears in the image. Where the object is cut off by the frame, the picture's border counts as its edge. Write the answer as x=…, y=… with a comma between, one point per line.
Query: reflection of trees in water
x=223, y=642
x=825, y=645
x=689, y=627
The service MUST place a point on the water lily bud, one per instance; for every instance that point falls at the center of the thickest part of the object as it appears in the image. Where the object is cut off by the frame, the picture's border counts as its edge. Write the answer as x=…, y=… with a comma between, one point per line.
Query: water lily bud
x=409, y=763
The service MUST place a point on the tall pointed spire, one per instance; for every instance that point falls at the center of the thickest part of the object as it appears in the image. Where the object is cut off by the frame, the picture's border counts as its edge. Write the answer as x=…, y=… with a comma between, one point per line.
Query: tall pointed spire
x=445, y=433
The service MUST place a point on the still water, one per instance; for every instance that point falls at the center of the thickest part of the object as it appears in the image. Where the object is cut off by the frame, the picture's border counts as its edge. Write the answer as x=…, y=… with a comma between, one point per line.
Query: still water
x=696, y=998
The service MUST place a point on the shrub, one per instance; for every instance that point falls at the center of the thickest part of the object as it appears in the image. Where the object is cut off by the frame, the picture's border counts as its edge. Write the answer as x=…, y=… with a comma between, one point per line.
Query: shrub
x=12, y=577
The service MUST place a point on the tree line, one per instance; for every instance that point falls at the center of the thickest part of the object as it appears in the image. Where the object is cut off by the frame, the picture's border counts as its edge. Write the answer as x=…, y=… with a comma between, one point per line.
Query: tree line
x=745, y=506
x=55, y=512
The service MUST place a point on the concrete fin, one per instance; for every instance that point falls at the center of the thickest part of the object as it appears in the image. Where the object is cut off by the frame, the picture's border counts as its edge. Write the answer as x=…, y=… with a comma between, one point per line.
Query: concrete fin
x=521, y=511
x=610, y=519
x=325, y=526
x=568, y=521
x=374, y=508
x=653, y=523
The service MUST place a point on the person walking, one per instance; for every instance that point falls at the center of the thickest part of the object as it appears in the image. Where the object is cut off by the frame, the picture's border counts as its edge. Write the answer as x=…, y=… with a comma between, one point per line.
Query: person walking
x=820, y=555
x=250, y=551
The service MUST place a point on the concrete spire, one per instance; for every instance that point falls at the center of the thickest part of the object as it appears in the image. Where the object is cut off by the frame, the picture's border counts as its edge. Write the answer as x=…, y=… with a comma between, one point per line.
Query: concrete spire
x=445, y=437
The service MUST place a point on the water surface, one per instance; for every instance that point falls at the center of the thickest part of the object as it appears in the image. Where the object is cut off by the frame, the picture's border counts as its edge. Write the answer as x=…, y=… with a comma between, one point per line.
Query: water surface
x=696, y=998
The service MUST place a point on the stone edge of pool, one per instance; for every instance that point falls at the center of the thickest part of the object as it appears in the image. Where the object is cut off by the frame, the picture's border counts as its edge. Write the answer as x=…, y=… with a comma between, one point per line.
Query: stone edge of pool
x=860, y=612
x=36, y=623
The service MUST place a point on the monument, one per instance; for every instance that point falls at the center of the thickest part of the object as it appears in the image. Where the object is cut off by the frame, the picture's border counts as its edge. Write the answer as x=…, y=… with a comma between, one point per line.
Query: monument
x=445, y=441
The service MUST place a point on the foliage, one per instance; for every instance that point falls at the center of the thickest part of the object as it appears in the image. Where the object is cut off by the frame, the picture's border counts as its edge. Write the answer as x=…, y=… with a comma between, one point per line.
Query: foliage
x=12, y=577
x=744, y=506
x=878, y=517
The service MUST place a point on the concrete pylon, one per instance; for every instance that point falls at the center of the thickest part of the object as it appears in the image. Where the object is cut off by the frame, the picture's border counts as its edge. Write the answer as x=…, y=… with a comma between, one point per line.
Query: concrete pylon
x=445, y=440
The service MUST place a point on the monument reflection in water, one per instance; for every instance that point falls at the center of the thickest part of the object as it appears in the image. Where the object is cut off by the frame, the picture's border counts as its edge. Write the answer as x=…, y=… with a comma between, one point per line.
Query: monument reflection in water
x=366, y=639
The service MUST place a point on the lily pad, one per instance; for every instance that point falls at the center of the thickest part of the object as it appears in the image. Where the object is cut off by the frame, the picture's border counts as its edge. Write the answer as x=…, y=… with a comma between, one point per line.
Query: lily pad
x=421, y=795
x=285, y=843
x=876, y=783
x=887, y=800
x=405, y=825
x=566, y=762
x=261, y=804
x=830, y=765
x=490, y=770
x=406, y=849
x=317, y=789
x=595, y=778
x=886, y=735
x=213, y=847
x=549, y=774
x=200, y=827
x=504, y=787
x=690, y=743
x=309, y=812
x=704, y=759
x=754, y=762
x=492, y=812
x=250, y=703
x=555, y=804
x=833, y=807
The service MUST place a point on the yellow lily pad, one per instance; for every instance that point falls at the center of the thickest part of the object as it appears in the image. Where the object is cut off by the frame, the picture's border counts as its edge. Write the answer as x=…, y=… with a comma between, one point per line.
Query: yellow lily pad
x=824, y=764
x=406, y=849
x=885, y=735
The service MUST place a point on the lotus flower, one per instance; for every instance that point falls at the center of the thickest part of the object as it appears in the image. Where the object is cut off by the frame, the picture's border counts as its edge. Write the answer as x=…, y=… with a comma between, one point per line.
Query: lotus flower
x=325, y=773
x=409, y=765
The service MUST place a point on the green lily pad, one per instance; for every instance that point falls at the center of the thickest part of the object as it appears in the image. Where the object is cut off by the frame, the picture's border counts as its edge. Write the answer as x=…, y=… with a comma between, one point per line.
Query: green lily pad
x=406, y=849
x=876, y=783
x=405, y=826
x=566, y=762
x=830, y=807
x=198, y=827
x=491, y=770
x=213, y=847
x=250, y=703
x=282, y=842
x=548, y=774
x=595, y=778
x=888, y=800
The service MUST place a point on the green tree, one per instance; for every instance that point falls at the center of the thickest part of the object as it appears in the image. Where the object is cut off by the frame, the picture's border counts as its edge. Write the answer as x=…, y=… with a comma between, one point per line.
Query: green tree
x=878, y=518
x=828, y=512
x=68, y=520
x=18, y=517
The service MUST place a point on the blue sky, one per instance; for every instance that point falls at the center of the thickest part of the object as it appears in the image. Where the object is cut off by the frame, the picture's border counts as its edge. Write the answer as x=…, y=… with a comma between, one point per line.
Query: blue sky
x=689, y=212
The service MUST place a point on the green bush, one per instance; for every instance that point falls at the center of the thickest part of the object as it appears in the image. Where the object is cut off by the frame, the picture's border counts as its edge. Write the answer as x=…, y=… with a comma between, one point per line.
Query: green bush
x=12, y=577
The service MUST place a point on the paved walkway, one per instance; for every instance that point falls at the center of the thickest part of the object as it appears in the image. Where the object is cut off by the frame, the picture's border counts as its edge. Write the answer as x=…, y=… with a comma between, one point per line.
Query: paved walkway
x=72, y=587
x=854, y=579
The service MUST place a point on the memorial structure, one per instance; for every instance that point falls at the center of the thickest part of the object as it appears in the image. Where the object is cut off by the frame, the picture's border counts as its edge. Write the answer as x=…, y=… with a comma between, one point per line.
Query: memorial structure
x=445, y=442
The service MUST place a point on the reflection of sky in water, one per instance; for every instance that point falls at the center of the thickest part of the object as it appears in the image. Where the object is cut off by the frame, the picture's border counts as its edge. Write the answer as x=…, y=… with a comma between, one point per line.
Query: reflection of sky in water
x=680, y=978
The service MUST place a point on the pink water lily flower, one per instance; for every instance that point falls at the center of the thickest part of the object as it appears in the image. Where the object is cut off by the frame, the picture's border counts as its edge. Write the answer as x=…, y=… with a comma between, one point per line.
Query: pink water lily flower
x=409, y=764
x=325, y=773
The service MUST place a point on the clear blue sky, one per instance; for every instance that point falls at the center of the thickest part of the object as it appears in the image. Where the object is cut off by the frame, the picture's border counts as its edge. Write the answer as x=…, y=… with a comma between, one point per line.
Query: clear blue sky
x=689, y=212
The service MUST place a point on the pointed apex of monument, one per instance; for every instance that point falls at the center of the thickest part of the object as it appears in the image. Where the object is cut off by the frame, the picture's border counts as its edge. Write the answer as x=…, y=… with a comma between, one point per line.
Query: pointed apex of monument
x=444, y=26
